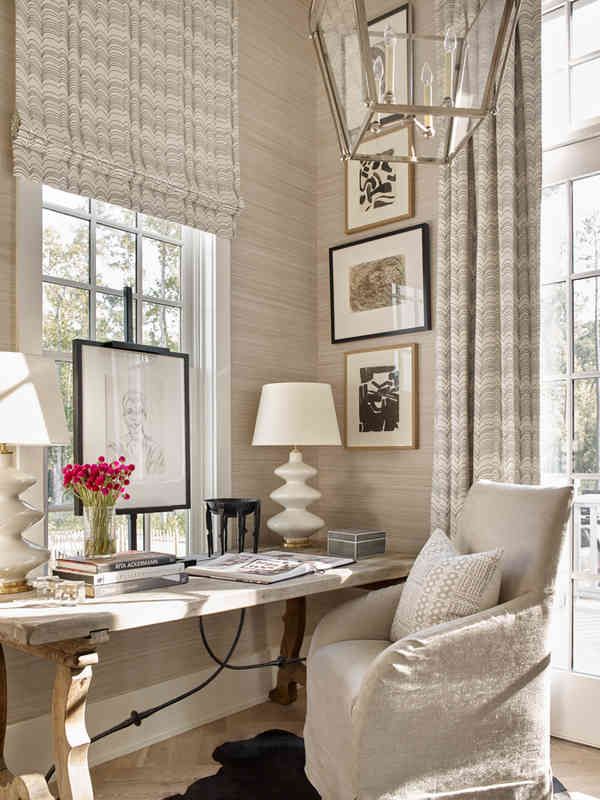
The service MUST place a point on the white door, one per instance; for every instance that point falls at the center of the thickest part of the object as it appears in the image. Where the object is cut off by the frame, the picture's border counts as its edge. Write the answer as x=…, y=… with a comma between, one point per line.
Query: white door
x=570, y=348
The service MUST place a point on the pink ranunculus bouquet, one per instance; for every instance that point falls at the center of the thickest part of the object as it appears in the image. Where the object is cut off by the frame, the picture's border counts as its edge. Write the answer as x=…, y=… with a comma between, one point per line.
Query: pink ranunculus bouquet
x=99, y=486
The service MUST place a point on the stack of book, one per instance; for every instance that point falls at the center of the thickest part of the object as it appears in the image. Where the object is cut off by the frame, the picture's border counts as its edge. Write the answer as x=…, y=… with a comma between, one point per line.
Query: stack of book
x=131, y=571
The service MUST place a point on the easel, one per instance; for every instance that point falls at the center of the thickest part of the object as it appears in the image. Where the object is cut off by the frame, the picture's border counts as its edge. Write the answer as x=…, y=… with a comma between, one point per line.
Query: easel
x=132, y=536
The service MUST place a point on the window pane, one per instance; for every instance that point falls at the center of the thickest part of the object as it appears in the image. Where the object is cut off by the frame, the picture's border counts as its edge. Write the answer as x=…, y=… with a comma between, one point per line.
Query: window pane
x=586, y=224
x=115, y=258
x=553, y=439
x=162, y=326
x=585, y=434
x=585, y=95
x=162, y=268
x=109, y=317
x=161, y=227
x=585, y=26
x=65, y=534
x=66, y=246
x=110, y=213
x=554, y=329
x=555, y=51
x=555, y=104
x=586, y=309
x=555, y=233
x=65, y=316
x=65, y=199
x=168, y=532
x=586, y=627
x=586, y=520
x=58, y=457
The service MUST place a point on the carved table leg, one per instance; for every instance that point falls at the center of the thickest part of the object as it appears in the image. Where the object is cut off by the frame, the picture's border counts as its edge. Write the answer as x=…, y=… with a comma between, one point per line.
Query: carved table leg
x=5, y=774
x=71, y=740
x=294, y=622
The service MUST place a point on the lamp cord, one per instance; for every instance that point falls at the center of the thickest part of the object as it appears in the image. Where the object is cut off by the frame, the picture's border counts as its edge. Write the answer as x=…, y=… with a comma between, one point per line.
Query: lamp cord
x=137, y=717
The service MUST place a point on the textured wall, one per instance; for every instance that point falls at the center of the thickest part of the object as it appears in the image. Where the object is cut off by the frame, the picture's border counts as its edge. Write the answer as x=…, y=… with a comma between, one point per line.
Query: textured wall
x=372, y=487
x=7, y=182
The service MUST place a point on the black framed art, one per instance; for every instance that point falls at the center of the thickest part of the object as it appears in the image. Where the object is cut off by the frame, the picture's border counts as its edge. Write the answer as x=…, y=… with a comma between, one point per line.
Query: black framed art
x=133, y=400
x=380, y=286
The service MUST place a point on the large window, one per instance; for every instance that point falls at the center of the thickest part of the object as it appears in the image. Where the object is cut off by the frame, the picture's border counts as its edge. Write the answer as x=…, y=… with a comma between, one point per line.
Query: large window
x=570, y=315
x=91, y=251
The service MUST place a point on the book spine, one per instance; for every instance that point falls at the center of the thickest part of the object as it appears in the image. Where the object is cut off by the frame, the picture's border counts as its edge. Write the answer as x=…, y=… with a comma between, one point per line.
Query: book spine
x=116, y=566
x=106, y=578
x=140, y=585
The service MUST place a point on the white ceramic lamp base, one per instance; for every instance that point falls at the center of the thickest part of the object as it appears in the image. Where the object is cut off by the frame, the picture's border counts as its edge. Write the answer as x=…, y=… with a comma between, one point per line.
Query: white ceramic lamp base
x=17, y=555
x=295, y=524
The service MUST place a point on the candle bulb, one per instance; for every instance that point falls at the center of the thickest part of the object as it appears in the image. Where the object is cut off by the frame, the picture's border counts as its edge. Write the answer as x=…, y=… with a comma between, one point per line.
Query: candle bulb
x=449, y=55
x=389, y=44
x=427, y=78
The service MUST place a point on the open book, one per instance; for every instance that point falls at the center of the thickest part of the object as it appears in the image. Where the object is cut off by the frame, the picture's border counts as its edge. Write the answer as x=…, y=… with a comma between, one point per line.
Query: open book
x=267, y=567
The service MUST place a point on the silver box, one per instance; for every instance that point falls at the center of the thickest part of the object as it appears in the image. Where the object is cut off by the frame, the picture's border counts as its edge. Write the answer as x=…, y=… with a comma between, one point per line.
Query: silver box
x=356, y=543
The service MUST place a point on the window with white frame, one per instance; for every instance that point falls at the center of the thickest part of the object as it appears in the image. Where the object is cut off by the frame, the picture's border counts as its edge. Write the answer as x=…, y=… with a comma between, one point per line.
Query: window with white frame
x=90, y=251
x=570, y=314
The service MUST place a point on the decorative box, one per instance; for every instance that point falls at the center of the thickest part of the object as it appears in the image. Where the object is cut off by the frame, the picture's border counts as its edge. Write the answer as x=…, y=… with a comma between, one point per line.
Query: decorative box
x=356, y=543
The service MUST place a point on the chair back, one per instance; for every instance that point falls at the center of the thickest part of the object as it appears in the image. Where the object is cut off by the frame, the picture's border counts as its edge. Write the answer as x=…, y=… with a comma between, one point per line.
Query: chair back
x=527, y=522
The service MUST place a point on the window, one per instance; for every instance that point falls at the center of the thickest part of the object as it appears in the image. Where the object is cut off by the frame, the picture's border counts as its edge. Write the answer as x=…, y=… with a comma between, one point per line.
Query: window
x=571, y=68
x=570, y=315
x=90, y=251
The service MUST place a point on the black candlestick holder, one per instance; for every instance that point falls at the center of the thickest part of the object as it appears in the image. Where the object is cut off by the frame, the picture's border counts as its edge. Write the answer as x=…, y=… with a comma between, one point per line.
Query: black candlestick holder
x=238, y=508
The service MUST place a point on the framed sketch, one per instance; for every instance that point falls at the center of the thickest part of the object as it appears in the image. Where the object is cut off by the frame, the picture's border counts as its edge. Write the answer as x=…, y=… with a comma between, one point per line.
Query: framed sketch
x=379, y=192
x=133, y=400
x=382, y=398
x=380, y=286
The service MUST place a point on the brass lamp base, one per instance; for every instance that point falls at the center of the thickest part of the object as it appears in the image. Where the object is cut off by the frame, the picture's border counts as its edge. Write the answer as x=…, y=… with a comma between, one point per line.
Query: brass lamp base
x=296, y=544
x=14, y=587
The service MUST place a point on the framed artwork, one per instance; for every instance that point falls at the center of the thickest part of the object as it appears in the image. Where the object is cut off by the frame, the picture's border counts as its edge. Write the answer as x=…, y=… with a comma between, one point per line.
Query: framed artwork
x=133, y=400
x=380, y=286
x=379, y=192
x=382, y=398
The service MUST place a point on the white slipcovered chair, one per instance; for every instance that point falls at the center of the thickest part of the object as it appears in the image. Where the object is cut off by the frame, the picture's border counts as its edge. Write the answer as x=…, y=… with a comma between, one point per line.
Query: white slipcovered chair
x=460, y=710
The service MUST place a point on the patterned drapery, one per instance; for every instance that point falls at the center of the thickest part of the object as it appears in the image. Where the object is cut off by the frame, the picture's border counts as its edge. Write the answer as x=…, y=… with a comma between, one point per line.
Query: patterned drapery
x=134, y=102
x=487, y=320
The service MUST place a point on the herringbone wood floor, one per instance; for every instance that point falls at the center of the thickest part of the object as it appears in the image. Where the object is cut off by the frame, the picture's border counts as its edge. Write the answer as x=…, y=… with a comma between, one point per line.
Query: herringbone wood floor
x=170, y=766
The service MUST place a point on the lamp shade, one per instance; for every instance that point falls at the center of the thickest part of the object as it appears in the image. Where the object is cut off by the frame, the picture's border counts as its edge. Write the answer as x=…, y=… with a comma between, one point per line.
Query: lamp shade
x=296, y=414
x=31, y=408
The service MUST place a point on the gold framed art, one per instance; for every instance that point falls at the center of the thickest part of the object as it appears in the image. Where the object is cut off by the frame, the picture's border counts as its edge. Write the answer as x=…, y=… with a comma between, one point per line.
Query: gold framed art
x=382, y=398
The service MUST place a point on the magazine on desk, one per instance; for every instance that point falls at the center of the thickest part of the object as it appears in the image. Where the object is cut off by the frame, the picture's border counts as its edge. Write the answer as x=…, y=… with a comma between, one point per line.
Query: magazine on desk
x=267, y=567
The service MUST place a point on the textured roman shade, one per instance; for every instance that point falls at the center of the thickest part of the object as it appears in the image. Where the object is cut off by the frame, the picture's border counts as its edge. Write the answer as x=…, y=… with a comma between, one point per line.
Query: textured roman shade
x=133, y=102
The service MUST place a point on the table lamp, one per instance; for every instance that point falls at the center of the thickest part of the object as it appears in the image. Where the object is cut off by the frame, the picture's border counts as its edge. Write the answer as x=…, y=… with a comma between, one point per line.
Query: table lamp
x=31, y=413
x=296, y=414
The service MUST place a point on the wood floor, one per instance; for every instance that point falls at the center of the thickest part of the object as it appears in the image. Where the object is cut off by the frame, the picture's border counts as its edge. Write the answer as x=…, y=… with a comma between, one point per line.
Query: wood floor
x=170, y=766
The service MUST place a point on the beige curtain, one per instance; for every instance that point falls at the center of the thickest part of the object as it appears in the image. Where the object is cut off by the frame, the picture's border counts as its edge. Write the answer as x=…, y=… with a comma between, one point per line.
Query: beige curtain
x=487, y=320
x=133, y=102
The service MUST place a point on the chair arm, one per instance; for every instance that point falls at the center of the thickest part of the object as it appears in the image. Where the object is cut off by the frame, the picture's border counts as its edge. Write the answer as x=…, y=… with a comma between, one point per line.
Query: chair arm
x=367, y=617
x=462, y=704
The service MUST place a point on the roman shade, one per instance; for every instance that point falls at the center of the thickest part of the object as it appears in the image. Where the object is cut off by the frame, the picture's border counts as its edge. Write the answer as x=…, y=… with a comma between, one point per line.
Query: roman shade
x=132, y=102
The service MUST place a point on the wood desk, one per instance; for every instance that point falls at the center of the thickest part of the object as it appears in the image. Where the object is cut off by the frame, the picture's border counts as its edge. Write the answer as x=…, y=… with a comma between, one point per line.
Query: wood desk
x=70, y=636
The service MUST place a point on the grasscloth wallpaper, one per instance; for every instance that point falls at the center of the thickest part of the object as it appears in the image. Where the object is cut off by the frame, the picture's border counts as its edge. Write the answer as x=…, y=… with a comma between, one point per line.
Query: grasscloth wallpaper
x=292, y=184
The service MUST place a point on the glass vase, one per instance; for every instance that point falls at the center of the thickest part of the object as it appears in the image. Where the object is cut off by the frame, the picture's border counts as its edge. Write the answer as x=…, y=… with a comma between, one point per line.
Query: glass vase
x=99, y=530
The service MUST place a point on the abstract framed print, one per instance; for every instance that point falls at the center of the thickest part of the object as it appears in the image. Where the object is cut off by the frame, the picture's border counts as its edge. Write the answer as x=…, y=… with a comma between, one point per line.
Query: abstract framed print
x=382, y=398
x=380, y=286
x=133, y=400
x=380, y=192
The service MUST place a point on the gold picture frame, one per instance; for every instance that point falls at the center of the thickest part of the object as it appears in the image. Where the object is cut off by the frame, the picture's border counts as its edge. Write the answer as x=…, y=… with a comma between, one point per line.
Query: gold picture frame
x=381, y=386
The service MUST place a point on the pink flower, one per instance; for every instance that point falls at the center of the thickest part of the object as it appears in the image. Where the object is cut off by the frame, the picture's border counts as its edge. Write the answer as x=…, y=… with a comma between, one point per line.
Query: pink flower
x=126, y=496
x=101, y=459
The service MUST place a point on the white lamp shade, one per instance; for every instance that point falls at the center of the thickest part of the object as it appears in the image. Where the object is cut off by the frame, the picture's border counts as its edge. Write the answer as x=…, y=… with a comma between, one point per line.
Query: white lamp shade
x=296, y=414
x=31, y=408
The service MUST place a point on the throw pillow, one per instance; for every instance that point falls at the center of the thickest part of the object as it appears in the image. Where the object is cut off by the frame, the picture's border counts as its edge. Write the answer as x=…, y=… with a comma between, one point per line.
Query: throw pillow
x=444, y=585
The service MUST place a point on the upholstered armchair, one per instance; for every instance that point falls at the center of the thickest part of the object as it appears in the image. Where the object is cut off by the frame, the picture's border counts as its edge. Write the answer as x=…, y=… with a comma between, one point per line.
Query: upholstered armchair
x=460, y=710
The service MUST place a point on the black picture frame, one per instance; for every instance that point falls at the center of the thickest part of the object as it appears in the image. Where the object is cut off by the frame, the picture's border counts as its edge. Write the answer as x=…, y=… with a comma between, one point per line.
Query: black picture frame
x=78, y=416
x=426, y=283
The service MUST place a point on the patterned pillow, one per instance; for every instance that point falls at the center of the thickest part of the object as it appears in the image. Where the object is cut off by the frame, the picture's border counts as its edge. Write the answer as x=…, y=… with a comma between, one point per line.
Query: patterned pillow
x=444, y=585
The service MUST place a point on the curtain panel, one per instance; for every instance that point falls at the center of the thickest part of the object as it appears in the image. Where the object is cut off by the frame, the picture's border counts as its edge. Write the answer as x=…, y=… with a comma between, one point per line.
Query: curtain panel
x=487, y=316
x=133, y=102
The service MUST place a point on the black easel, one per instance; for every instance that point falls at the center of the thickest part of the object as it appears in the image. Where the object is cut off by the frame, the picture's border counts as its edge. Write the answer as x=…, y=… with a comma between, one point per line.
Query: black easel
x=130, y=337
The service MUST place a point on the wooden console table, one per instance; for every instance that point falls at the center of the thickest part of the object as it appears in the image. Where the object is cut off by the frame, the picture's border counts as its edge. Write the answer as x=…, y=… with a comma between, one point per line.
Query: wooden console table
x=69, y=636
